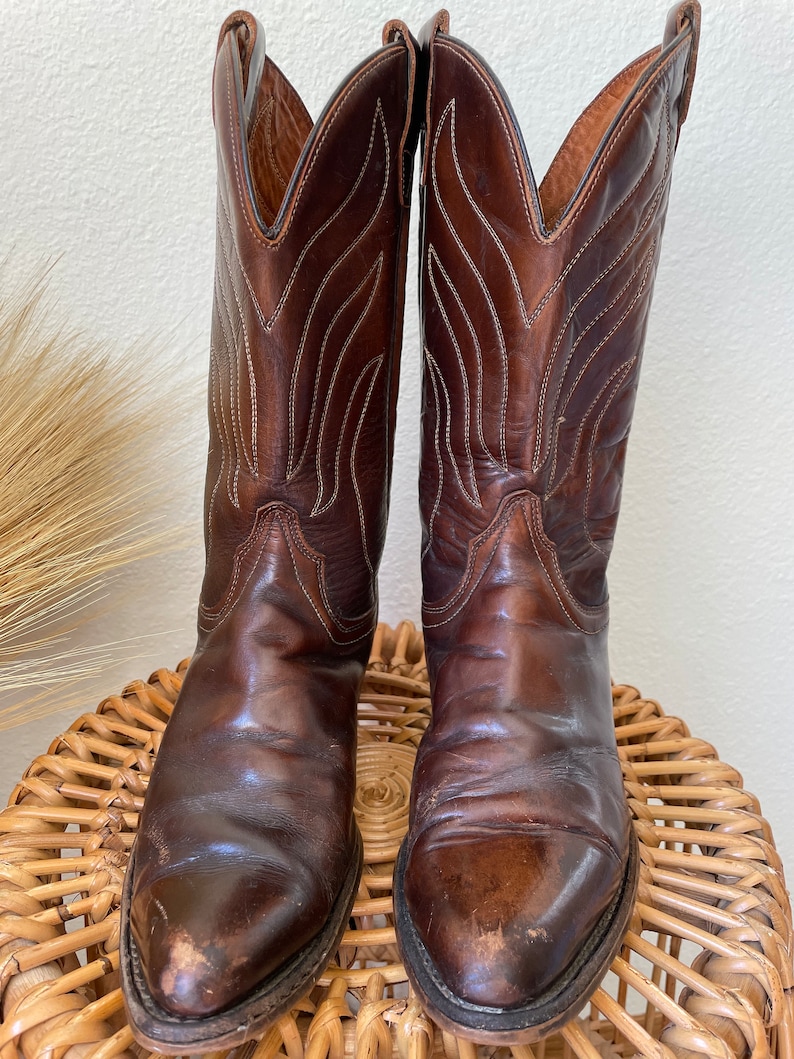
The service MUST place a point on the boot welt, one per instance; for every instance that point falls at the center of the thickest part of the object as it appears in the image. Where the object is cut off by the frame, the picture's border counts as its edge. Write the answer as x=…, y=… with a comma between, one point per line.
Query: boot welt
x=159, y=1030
x=547, y=1012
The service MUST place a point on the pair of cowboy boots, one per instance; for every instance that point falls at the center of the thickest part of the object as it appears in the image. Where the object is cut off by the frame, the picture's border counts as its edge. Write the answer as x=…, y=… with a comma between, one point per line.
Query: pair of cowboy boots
x=517, y=877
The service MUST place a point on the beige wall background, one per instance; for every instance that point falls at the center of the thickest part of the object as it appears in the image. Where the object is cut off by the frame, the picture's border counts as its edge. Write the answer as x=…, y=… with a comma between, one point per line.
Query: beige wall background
x=108, y=160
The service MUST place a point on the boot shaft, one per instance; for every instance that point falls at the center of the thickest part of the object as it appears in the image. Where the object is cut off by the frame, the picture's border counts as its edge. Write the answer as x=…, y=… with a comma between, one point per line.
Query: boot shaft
x=535, y=302
x=310, y=272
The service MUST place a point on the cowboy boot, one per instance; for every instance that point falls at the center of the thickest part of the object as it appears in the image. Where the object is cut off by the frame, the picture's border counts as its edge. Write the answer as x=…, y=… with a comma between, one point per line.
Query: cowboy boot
x=248, y=857
x=517, y=878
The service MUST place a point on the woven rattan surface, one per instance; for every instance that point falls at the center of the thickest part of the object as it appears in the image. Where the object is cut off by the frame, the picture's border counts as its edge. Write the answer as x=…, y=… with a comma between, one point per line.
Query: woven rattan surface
x=706, y=967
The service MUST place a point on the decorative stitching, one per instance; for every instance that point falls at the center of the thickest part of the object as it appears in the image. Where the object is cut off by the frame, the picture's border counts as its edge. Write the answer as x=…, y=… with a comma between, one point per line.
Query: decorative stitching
x=318, y=371
x=238, y=257
x=552, y=585
x=477, y=348
x=273, y=243
x=354, y=476
x=642, y=62
x=450, y=109
x=252, y=460
x=615, y=135
x=548, y=546
x=376, y=268
x=647, y=261
x=320, y=510
x=269, y=142
x=475, y=546
x=490, y=229
x=319, y=564
x=229, y=435
x=220, y=431
x=440, y=43
x=232, y=371
x=378, y=114
x=448, y=434
x=650, y=214
x=321, y=288
x=431, y=257
x=664, y=71
x=214, y=616
x=501, y=525
x=591, y=451
x=553, y=491
x=611, y=332
x=437, y=445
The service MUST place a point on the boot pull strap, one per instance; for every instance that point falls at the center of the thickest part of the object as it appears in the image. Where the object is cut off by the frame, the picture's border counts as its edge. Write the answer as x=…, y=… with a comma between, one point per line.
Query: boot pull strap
x=439, y=23
x=681, y=16
x=393, y=32
x=252, y=51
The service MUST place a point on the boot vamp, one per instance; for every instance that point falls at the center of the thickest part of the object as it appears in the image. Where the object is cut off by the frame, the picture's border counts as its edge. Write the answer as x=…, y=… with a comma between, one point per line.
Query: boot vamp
x=522, y=838
x=519, y=830
x=247, y=835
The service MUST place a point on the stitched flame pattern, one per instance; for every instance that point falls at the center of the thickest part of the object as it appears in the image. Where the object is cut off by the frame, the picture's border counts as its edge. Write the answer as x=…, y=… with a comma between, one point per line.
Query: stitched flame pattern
x=301, y=360
x=533, y=339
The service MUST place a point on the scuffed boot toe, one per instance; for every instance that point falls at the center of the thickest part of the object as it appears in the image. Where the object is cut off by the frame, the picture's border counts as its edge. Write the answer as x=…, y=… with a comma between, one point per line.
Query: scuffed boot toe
x=503, y=919
x=205, y=946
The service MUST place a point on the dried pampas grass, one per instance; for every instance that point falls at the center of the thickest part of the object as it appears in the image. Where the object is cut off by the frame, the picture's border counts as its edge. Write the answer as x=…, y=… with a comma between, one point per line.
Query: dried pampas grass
x=78, y=434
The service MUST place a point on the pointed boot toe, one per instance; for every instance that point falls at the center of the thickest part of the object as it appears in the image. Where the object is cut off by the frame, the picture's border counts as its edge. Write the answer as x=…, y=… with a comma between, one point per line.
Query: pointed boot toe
x=503, y=921
x=207, y=941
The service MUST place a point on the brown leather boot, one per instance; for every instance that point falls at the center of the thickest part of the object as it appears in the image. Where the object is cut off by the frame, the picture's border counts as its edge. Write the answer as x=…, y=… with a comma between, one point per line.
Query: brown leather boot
x=517, y=878
x=248, y=856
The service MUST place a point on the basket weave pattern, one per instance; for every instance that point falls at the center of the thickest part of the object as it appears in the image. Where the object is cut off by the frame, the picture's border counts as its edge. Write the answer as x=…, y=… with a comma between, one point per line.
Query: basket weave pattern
x=705, y=969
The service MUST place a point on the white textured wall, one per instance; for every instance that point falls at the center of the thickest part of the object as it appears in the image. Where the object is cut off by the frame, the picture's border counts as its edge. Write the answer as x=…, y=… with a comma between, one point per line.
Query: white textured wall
x=108, y=159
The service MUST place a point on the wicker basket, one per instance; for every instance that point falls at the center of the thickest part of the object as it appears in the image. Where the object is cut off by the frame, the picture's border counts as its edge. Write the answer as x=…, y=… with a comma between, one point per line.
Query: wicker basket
x=705, y=969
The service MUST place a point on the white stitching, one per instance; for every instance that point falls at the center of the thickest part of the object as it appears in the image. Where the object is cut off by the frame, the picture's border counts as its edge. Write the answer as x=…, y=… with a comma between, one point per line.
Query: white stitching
x=432, y=257
x=353, y=474
x=252, y=460
x=319, y=564
x=455, y=51
x=376, y=269
x=220, y=433
x=661, y=73
x=214, y=616
x=626, y=368
x=466, y=588
x=664, y=69
x=225, y=370
x=378, y=114
x=275, y=243
x=450, y=108
x=564, y=478
x=238, y=257
x=571, y=619
x=326, y=279
x=477, y=350
x=611, y=332
x=437, y=445
x=627, y=75
x=646, y=260
x=233, y=373
x=650, y=215
x=491, y=230
x=448, y=433
x=316, y=510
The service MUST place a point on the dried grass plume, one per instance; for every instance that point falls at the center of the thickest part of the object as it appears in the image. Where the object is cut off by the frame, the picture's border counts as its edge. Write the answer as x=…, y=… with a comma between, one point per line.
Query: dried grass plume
x=78, y=433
